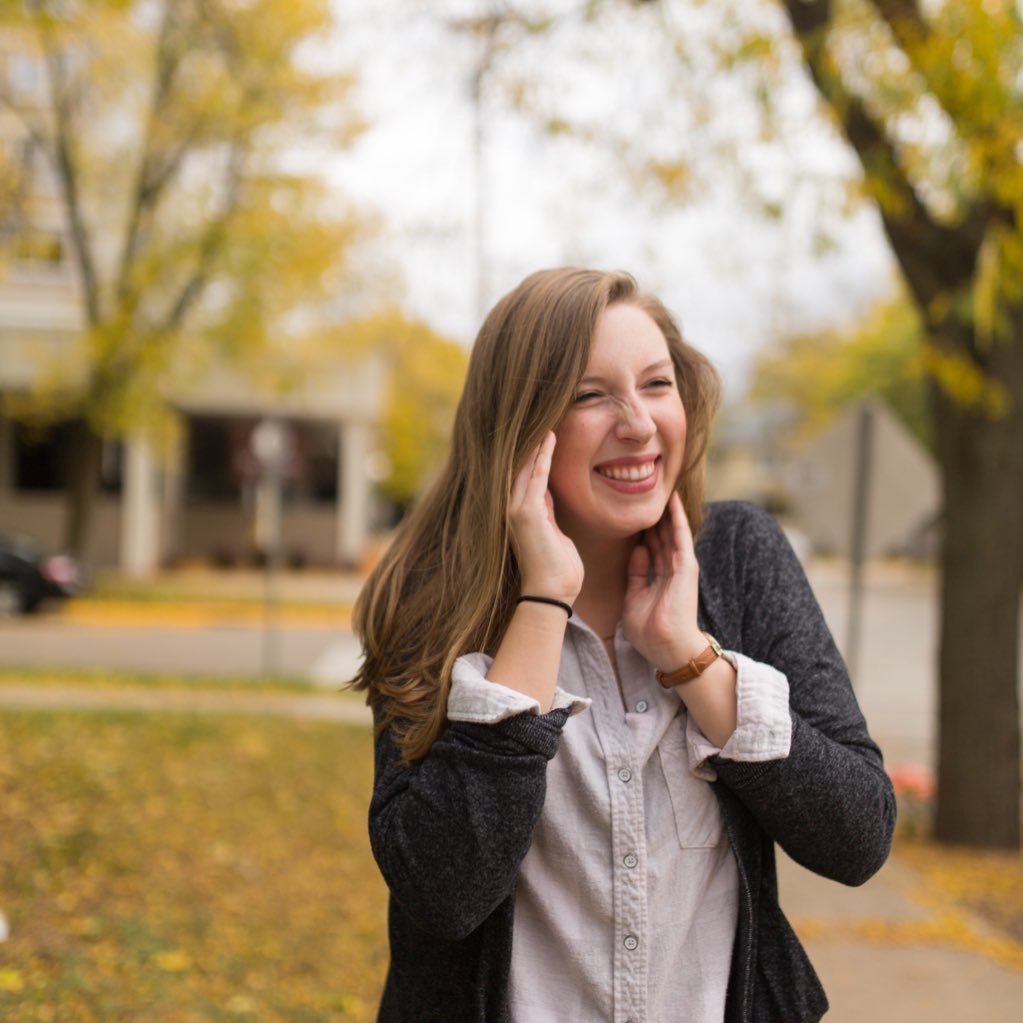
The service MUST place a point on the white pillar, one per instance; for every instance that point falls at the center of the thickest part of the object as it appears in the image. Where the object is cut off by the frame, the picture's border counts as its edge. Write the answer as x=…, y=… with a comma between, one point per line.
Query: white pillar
x=140, y=510
x=353, y=508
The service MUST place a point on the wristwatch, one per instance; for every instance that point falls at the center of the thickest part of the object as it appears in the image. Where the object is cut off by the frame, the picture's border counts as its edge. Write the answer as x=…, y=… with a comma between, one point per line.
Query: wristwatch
x=694, y=668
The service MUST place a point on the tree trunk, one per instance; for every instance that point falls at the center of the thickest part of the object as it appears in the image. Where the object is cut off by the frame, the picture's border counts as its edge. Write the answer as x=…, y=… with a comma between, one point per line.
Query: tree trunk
x=83, y=474
x=982, y=573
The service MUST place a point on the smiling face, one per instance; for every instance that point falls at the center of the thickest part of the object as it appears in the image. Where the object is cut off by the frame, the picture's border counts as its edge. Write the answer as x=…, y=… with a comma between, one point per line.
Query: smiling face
x=620, y=447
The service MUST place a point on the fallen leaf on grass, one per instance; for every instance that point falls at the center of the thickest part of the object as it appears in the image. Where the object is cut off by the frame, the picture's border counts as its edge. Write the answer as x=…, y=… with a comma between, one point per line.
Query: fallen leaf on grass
x=11, y=980
x=173, y=962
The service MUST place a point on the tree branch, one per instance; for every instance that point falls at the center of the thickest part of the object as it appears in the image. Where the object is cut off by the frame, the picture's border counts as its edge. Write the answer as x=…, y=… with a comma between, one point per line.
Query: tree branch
x=906, y=21
x=934, y=258
x=32, y=130
x=148, y=184
x=912, y=32
x=972, y=122
x=67, y=168
x=210, y=245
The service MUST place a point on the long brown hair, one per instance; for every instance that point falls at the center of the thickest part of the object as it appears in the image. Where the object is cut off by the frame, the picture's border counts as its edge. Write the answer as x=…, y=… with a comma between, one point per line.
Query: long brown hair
x=447, y=583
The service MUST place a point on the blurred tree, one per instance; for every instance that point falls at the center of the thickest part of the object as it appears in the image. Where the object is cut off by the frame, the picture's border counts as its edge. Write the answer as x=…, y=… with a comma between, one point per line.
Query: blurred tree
x=177, y=138
x=426, y=376
x=931, y=102
x=817, y=374
x=927, y=97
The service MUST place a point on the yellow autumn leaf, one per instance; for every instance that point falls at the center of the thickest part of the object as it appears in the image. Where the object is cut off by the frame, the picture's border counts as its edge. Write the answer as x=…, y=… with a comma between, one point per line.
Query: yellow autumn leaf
x=175, y=961
x=11, y=980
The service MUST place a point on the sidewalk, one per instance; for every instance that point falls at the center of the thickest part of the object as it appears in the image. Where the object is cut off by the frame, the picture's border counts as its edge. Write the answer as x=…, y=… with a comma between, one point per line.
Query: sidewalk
x=898, y=951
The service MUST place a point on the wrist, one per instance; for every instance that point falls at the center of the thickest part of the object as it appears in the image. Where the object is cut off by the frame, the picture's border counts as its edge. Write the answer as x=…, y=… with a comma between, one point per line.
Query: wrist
x=542, y=600
x=542, y=622
x=563, y=590
x=680, y=650
x=686, y=668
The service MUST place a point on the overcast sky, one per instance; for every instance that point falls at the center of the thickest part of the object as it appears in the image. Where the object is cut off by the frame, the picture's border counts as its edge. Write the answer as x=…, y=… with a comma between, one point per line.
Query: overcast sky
x=734, y=278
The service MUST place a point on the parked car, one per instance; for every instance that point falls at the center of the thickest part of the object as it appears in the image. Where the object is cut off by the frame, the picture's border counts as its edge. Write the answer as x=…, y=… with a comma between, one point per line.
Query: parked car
x=28, y=577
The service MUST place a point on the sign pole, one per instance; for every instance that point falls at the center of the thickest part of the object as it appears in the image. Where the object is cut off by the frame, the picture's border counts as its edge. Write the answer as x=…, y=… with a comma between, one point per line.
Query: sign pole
x=858, y=539
x=270, y=445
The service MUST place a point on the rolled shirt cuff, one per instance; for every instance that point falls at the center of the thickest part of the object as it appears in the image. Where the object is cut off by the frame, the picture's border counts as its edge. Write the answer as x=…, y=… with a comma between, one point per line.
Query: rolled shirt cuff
x=475, y=698
x=763, y=729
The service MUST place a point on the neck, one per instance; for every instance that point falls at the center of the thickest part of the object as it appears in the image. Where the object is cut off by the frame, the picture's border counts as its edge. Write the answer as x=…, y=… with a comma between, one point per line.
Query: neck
x=602, y=596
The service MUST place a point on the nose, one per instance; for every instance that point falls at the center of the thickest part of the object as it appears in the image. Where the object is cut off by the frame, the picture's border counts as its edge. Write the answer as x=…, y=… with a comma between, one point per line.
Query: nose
x=634, y=420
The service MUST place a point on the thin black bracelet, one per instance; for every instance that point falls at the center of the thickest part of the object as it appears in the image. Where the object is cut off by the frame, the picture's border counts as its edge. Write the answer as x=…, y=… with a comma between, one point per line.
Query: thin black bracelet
x=567, y=608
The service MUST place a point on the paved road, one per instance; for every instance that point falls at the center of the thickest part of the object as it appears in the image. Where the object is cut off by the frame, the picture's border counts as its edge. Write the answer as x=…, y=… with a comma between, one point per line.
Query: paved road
x=896, y=677
x=323, y=652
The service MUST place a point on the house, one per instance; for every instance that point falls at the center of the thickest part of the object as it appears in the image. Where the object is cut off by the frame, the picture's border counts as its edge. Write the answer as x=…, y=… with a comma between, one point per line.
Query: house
x=188, y=493
x=192, y=493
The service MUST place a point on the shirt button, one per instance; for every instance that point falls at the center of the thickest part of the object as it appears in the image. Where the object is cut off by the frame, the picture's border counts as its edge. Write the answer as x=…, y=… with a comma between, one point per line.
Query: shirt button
x=630, y=860
x=642, y=707
x=631, y=942
x=624, y=774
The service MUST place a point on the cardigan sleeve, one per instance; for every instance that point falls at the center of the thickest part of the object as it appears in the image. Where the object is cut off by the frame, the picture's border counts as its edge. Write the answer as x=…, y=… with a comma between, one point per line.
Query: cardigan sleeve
x=829, y=804
x=450, y=831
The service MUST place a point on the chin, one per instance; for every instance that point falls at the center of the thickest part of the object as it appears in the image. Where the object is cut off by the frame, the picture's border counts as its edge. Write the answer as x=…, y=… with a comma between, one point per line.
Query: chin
x=599, y=521
x=624, y=526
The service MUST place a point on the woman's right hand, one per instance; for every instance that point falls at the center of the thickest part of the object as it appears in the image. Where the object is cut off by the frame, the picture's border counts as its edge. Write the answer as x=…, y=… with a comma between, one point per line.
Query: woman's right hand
x=549, y=563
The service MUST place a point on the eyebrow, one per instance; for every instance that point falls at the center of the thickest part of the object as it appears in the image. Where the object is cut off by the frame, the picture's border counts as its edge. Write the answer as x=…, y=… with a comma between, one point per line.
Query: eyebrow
x=653, y=367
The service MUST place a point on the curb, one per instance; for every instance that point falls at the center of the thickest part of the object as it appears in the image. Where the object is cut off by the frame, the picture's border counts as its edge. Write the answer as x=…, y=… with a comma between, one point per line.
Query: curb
x=60, y=696
x=200, y=614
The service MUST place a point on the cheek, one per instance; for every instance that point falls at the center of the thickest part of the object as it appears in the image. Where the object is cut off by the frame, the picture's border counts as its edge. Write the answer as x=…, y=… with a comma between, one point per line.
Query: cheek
x=677, y=429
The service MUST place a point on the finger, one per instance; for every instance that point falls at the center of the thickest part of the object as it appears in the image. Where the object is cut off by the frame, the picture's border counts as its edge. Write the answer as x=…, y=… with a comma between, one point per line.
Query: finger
x=518, y=490
x=526, y=473
x=548, y=501
x=662, y=542
x=655, y=543
x=536, y=486
x=639, y=562
x=639, y=569
x=674, y=539
x=683, y=532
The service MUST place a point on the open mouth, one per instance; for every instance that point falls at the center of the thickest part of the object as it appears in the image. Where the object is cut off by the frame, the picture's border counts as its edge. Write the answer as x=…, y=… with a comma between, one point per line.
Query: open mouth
x=629, y=472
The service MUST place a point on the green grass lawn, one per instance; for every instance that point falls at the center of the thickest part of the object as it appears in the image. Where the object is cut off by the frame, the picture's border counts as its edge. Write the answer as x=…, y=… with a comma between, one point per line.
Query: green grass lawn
x=184, y=868
x=178, y=867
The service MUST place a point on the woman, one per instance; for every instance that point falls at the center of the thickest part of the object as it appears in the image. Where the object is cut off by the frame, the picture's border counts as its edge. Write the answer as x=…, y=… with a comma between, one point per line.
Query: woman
x=592, y=730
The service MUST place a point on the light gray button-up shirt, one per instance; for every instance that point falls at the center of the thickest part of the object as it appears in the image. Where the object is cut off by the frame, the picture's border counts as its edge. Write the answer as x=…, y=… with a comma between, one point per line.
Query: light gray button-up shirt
x=627, y=900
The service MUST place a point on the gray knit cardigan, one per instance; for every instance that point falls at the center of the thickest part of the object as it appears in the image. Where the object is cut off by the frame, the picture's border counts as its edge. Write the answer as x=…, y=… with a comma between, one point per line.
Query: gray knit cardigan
x=450, y=831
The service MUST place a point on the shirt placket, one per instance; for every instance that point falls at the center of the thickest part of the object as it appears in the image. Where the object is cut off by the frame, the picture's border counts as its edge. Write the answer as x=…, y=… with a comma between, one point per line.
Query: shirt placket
x=628, y=851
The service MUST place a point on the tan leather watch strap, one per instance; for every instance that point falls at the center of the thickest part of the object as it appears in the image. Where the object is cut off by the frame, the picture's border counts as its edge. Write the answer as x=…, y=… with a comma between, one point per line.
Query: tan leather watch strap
x=694, y=668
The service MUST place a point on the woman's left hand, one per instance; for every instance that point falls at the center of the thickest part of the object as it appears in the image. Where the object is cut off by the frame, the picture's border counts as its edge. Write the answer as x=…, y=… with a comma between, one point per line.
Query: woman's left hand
x=659, y=617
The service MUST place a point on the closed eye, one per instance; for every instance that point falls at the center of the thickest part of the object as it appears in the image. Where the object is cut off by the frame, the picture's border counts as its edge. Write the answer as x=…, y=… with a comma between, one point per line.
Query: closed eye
x=586, y=396
x=661, y=382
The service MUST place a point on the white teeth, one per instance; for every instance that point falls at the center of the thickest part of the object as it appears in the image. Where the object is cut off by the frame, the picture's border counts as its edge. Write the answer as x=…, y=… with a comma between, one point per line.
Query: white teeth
x=630, y=473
